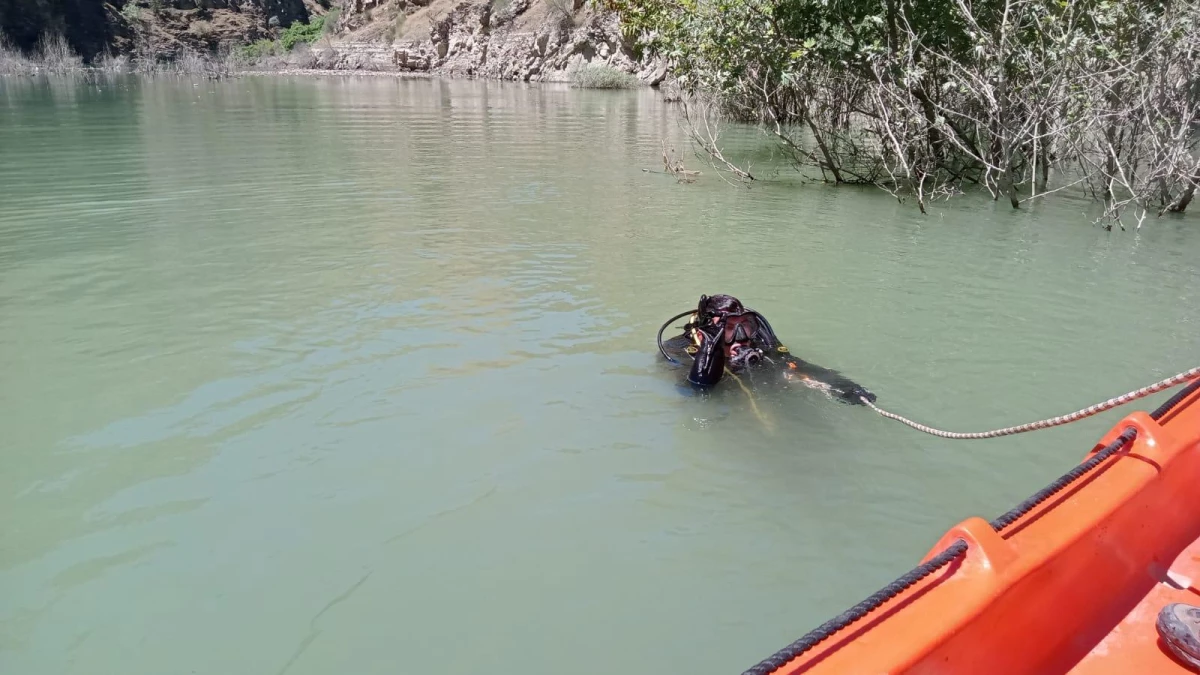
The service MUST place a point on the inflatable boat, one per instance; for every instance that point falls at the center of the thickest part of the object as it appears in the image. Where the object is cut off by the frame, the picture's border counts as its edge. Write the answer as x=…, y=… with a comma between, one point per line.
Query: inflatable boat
x=1070, y=581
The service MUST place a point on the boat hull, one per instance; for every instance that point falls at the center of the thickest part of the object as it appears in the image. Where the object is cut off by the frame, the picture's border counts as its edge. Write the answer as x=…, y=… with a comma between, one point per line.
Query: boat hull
x=1072, y=586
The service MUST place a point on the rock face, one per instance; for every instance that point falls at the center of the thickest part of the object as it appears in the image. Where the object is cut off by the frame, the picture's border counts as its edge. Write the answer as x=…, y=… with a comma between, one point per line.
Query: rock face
x=471, y=43
x=526, y=40
x=161, y=27
x=522, y=40
x=85, y=23
x=166, y=27
x=373, y=56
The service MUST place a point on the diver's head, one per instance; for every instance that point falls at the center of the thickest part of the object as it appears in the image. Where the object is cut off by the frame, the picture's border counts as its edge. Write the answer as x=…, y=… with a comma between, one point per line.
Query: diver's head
x=712, y=306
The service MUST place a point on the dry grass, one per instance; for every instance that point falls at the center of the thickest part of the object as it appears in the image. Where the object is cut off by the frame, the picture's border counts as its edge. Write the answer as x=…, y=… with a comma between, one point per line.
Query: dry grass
x=563, y=10
x=394, y=29
x=225, y=63
x=53, y=55
x=201, y=29
x=12, y=61
x=107, y=63
x=302, y=57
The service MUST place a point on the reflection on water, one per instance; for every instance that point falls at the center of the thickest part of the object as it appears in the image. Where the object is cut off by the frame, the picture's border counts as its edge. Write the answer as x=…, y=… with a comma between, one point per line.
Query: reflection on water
x=317, y=375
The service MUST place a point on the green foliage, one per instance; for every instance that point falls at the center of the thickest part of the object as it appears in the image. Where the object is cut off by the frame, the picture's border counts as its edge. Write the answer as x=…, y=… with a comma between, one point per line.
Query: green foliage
x=261, y=48
x=716, y=44
x=946, y=92
x=598, y=76
x=302, y=32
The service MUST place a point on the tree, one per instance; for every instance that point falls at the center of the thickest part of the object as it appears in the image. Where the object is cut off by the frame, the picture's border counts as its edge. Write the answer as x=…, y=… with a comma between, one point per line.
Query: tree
x=1022, y=98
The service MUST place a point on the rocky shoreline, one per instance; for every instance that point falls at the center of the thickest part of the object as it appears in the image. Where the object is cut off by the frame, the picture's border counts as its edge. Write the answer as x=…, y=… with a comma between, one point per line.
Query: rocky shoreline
x=519, y=44
x=515, y=40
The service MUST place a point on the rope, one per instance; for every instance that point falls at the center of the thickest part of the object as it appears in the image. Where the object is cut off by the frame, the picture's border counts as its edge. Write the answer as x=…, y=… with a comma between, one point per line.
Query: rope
x=1174, y=400
x=873, y=602
x=826, y=630
x=1066, y=479
x=753, y=404
x=959, y=547
x=1047, y=423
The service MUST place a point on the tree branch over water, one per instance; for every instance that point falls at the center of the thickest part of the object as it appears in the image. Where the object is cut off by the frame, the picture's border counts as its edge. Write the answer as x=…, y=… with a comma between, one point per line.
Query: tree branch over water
x=703, y=125
x=1023, y=99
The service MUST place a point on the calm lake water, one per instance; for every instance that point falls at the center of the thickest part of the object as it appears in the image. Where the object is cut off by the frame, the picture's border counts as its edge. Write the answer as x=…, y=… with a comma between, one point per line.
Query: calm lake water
x=317, y=376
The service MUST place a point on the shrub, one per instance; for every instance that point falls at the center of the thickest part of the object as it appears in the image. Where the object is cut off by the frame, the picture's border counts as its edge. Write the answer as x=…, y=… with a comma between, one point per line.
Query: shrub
x=329, y=23
x=108, y=63
x=302, y=57
x=394, y=29
x=302, y=32
x=598, y=76
x=201, y=29
x=12, y=61
x=56, y=55
x=563, y=10
x=260, y=49
x=189, y=62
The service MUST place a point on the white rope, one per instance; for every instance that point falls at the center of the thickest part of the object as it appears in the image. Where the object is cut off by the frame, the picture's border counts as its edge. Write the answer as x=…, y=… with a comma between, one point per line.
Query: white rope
x=1053, y=421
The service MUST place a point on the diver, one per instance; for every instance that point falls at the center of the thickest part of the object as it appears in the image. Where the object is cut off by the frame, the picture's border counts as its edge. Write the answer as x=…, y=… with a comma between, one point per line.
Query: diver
x=724, y=336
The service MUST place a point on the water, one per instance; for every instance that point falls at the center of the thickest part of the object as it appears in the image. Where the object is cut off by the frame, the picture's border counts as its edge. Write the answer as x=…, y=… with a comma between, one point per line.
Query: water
x=358, y=375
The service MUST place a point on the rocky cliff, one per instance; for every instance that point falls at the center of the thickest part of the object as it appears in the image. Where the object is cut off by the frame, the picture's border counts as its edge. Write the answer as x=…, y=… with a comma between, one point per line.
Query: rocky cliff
x=527, y=40
x=161, y=27
x=86, y=24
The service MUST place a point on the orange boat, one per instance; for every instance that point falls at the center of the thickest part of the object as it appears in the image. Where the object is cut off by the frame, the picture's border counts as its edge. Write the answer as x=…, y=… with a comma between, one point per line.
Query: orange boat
x=1070, y=581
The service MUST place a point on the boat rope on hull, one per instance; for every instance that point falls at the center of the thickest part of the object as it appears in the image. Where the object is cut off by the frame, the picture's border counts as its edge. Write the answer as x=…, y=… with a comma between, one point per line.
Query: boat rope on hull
x=852, y=615
x=959, y=547
x=1051, y=422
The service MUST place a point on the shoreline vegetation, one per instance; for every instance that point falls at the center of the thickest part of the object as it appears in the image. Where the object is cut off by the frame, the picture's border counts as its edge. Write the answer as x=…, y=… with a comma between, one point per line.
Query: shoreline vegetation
x=292, y=51
x=924, y=99
x=61, y=61
x=928, y=99
x=53, y=56
x=302, y=48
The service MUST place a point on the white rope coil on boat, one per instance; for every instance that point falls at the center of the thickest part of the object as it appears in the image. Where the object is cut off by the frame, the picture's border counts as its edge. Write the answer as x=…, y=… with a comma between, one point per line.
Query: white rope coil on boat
x=1053, y=421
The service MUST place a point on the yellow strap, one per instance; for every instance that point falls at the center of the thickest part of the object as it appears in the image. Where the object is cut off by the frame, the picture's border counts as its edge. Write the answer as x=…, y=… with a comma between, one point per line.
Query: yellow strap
x=753, y=403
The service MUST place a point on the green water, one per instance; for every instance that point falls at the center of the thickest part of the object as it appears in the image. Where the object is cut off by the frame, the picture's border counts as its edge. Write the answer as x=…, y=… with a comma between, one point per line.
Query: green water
x=318, y=376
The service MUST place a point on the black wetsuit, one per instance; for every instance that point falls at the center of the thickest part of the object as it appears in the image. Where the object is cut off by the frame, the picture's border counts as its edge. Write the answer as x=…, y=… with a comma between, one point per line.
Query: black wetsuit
x=742, y=342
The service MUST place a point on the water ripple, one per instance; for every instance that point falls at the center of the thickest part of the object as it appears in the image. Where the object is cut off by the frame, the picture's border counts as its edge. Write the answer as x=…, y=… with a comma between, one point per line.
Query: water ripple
x=269, y=342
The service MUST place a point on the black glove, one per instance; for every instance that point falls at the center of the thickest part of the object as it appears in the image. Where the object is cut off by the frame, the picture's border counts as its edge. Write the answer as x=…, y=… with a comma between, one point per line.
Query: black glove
x=856, y=394
x=709, y=365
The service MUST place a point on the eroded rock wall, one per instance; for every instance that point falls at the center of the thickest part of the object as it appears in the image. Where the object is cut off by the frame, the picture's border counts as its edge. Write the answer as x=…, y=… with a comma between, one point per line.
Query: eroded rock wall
x=525, y=41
